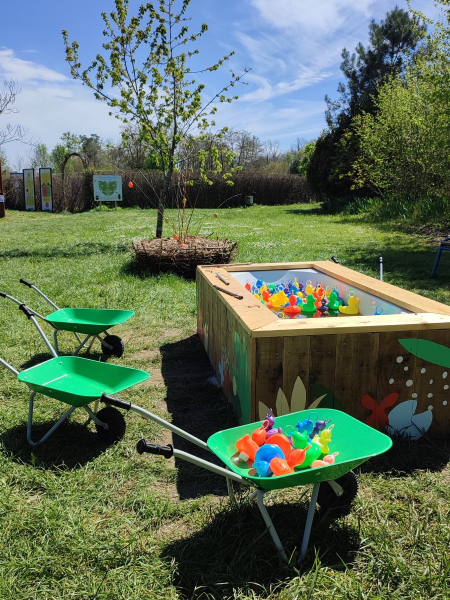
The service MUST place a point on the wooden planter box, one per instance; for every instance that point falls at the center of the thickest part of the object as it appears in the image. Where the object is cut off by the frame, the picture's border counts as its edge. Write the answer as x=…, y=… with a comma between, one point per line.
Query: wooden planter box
x=391, y=371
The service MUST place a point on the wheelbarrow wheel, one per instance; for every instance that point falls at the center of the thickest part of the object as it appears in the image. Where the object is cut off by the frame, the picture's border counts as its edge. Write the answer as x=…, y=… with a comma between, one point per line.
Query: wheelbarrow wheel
x=116, y=425
x=116, y=343
x=339, y=506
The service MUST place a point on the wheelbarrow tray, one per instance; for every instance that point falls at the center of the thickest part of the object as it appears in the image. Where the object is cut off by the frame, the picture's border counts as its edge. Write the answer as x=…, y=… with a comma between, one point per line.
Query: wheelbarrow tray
x=79, y=381
x=355, y=441
x=90, y=321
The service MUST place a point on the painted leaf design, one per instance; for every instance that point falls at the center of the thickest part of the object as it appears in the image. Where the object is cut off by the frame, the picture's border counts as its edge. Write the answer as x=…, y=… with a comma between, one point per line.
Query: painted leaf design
x=282, y=403
x=107, y=187
x=298, y=398
x=316, y=402
x=437, y=354
x=262, y=410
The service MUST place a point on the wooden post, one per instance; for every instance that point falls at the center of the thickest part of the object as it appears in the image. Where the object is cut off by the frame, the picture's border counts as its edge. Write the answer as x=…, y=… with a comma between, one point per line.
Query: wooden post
x=2, y=196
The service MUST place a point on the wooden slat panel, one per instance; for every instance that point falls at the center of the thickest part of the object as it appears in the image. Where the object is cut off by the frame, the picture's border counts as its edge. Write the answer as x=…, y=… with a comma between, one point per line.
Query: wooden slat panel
x=296, y=363
x=322, y=368
x=356, y=370
x=268, y=371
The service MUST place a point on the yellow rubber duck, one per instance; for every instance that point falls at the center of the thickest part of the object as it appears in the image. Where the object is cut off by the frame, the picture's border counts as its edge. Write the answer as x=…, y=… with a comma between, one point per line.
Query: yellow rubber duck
x=278, y=300
x=352, y=308
x=309, y=287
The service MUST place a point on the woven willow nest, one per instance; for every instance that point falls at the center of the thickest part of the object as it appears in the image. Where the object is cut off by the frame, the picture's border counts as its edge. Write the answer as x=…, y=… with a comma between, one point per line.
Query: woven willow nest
x=182, y=257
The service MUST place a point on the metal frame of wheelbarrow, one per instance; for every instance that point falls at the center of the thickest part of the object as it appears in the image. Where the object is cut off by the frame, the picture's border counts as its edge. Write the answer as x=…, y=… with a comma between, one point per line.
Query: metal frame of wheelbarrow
x=112, y=345
x=110, y=426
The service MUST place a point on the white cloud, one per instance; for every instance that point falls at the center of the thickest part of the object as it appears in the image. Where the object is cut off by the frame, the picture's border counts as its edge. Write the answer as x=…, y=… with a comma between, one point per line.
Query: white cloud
x=318, y=17
x=50, y=104
x=12, y=67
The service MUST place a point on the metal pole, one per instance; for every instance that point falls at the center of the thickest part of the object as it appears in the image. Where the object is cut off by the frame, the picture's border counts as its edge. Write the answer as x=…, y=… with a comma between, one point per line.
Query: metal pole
x=2, y=194
x=380, y=258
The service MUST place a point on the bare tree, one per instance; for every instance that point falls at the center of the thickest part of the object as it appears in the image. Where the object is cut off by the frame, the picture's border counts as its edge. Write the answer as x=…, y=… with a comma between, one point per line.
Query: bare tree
x=11, y=133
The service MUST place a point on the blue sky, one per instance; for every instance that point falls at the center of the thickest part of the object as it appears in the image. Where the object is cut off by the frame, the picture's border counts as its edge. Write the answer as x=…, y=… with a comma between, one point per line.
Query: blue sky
x=293, y=48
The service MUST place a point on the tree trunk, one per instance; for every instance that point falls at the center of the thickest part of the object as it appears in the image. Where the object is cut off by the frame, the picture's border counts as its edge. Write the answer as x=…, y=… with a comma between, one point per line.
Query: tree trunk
x=162, y=199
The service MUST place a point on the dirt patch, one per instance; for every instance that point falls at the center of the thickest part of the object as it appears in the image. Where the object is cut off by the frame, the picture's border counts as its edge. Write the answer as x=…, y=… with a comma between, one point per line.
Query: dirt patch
x=145, y=355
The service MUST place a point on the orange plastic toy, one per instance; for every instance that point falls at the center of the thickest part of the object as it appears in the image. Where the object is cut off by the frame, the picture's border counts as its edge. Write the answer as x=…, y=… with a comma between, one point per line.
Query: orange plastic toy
x=282, y=441
x=260, y=434
x=247, y=448
x=278, y=466
x=297, y=456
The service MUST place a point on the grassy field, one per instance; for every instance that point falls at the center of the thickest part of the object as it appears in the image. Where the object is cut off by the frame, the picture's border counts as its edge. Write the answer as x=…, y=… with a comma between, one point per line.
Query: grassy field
x=81, y=520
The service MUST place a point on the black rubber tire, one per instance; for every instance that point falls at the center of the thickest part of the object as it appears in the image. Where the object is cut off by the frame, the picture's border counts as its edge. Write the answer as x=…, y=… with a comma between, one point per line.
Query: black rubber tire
x=117, y=344
x=339, y=505
x=116, y=425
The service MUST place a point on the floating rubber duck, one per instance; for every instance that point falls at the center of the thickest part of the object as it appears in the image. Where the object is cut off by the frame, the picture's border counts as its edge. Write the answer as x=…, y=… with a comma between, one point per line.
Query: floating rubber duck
x=309, y=287
x=310, y=307
x=292, y=310
x=323, y=306
x=279, y=300
x=333, y=301
x=352, y=308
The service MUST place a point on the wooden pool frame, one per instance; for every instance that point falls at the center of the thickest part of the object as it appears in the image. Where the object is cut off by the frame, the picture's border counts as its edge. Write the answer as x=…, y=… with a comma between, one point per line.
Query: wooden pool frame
x=354, y=363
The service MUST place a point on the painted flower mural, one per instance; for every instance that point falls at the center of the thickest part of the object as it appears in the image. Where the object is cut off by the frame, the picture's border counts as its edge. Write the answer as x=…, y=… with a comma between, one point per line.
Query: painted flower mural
x=378, y=419
x=298, y=401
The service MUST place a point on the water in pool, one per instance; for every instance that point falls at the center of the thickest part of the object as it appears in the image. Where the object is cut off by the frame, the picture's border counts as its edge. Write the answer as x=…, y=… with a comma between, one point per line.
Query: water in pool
x=303, y=293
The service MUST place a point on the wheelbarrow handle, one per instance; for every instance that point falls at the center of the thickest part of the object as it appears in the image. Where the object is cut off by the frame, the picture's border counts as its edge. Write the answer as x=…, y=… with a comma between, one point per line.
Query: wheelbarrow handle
x=26, y=311
x=144, y=446
x=115, y=402
x=25, y=282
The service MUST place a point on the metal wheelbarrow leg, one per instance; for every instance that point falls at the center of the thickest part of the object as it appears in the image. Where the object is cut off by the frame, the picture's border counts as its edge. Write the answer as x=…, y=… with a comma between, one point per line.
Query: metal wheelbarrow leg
x=169, y=451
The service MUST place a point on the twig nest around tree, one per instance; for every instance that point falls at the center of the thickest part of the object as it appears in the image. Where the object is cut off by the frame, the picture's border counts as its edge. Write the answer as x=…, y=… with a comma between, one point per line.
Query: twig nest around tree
x=182, y=255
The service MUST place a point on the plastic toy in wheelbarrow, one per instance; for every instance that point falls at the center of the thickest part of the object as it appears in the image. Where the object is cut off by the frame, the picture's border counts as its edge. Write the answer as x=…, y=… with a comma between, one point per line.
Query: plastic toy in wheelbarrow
x=279, y=454
x=89, y=322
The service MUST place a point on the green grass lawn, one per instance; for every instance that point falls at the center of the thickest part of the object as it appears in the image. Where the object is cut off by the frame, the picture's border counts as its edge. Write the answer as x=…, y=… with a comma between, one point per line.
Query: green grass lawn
x=84, y=521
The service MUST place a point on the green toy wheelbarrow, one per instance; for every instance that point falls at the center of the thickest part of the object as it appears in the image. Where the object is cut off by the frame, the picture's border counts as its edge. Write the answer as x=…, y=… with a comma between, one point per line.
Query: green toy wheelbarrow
x=335, y=485
x=79, y=382
x=89, y=322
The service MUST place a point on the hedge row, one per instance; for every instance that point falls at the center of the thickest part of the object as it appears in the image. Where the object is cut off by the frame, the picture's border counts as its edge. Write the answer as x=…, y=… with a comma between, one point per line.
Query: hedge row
x=78, y=194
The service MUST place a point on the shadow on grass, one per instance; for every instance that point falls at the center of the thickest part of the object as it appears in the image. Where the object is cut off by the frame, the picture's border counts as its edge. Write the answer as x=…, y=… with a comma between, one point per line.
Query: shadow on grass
x=134, y=269
x=407, y=456
x=197, y=407
x=306, y=211
x=71, y=446
x=76, y=250
x=235, y=550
